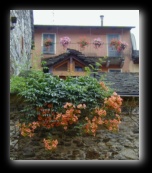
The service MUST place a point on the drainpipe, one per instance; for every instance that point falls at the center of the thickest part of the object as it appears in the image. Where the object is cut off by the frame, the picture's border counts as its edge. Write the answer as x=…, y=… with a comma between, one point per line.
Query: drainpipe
x=101, y=17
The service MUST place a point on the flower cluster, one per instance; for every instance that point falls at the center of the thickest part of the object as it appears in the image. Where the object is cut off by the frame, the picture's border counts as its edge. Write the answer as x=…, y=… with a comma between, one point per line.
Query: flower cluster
x=28, y=129
x=48, y=119
x=48, y=42
x=118, y=45
x=92, y=125
x=114, y=102
x=123, y=45
x=70, y=116
x=50, y=144
x=97, y=43
x=101, y=116
x=103, y=86
x=65, y=41
x=83, y=42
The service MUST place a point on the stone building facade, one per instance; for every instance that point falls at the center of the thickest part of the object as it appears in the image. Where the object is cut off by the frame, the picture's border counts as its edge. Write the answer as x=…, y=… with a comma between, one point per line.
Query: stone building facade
x=21, y=40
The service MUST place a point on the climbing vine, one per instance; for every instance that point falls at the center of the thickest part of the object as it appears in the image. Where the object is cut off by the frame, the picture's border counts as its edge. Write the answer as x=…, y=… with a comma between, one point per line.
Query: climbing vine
x=82, y=103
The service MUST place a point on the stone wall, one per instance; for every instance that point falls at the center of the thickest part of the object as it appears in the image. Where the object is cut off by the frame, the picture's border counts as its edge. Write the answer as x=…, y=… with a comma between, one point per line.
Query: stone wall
x=106, y=145
x=21, y=41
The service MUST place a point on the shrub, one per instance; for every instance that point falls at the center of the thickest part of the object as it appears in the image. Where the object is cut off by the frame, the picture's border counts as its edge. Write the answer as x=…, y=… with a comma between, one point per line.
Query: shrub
x=83, y=103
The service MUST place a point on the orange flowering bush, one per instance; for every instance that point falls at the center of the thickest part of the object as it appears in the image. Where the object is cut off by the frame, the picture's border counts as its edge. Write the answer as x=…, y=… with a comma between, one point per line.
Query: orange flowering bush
x=69, y=116
x=46, y=119
x=107, y=116
x=82, y=104
x=71, y=113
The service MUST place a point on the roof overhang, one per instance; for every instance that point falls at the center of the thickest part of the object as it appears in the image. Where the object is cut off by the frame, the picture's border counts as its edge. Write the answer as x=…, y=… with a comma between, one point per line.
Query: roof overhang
x=116, y=61
x=129, y=95
x=82, y=26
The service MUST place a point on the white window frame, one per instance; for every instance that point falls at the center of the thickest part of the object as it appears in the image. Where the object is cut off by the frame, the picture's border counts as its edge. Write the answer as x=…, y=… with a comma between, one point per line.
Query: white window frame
x=42, y=40
x=119, y=37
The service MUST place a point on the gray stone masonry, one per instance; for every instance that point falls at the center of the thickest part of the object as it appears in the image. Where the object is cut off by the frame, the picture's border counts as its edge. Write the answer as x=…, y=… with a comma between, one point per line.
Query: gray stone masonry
x=123, y=145
x=20, y=41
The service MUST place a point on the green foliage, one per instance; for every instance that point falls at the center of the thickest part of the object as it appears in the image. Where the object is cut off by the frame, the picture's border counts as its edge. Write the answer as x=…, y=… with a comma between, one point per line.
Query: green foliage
x=93, y=70
x=45, y=68
x=17, y=84
x=33, y=45
x=84, y=89
x=38, y=88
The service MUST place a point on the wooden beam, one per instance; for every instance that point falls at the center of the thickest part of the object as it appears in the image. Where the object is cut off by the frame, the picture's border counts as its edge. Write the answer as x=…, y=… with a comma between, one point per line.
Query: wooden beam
x=66, y=73
x=71, y=64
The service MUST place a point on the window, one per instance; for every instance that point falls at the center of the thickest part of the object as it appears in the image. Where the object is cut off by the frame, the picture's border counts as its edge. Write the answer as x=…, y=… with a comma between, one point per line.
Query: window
x=63, y=67
x=50, y=49
x=78, y=68
x=114, y=70
x=112, y=52
x=71, y=65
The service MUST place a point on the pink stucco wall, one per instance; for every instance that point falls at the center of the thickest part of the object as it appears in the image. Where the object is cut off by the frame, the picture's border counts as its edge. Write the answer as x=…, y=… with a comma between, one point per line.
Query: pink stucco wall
x=90, y=33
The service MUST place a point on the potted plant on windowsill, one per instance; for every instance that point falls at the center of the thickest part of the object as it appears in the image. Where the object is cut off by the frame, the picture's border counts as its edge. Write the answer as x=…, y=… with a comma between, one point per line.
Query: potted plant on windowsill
x=83, y=42
x=118, y=45
x=65, y=41
x=48, y=42
x=97, y=43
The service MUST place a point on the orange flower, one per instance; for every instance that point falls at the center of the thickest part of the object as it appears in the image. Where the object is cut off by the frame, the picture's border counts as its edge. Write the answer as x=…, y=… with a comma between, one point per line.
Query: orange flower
x=68, y=105
x=65, y=127
x=50, y=105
